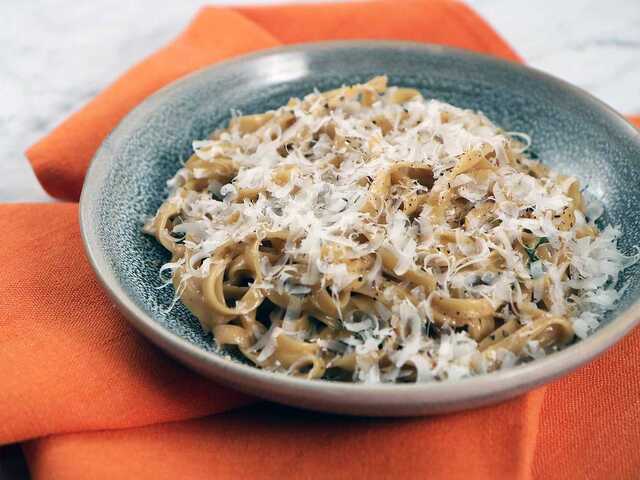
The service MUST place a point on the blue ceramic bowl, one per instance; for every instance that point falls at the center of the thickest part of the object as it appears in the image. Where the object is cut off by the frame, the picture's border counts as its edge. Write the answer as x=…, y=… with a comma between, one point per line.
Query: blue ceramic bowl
x=571, y=131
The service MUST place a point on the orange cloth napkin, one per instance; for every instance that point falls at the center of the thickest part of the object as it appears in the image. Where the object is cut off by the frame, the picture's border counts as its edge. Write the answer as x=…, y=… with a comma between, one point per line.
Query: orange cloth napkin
x=95, y=400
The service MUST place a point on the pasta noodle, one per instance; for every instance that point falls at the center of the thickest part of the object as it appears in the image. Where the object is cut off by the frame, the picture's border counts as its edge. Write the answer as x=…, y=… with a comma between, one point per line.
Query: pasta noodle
x=368, y=234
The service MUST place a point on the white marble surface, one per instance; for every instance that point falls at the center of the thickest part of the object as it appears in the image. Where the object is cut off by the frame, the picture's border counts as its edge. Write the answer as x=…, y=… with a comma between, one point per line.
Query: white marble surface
x=58, y=54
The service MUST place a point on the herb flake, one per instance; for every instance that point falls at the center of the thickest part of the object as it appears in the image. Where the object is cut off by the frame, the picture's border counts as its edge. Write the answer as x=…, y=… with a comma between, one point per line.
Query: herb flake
x=531, y=251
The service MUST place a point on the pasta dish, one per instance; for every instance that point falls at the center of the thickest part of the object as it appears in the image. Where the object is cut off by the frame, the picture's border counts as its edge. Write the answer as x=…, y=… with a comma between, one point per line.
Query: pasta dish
x=368, y=234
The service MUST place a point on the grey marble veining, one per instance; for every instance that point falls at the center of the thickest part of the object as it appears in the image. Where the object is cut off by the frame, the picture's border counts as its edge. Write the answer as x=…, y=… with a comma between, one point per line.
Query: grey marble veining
x=57, y=55
x=594, y=44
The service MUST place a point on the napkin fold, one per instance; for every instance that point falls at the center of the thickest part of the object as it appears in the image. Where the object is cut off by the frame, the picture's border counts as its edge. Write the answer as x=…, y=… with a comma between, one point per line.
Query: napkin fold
x=69, y=361
x=95, y=400
x=279, y=442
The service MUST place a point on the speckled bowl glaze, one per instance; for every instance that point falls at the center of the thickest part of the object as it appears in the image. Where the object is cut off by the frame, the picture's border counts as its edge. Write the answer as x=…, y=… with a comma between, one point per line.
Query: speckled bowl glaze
x=572, y=131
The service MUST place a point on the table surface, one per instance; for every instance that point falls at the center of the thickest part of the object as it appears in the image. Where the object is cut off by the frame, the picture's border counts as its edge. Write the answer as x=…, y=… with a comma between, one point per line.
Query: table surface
x=51, y=68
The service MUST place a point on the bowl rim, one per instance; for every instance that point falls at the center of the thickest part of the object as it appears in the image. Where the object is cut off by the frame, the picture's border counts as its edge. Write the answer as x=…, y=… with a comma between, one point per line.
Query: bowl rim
x=245, y=377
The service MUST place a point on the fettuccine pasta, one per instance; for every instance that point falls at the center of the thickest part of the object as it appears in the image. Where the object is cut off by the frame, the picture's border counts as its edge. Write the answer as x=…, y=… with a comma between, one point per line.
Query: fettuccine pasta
x=368, y=234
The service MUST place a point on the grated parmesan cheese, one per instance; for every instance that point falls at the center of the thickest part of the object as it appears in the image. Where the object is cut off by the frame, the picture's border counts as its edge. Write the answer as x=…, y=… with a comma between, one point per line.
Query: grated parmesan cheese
x=332, y=181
